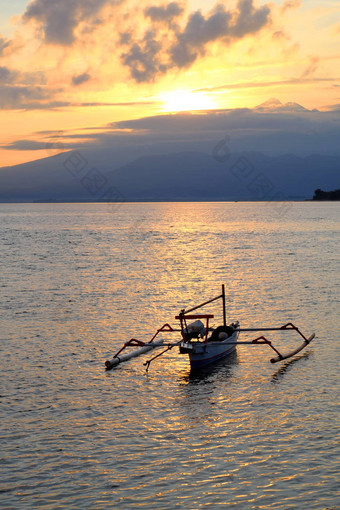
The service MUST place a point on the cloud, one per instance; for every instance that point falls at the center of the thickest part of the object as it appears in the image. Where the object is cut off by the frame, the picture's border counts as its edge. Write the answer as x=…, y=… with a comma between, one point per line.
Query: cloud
x=219, y=25
x=27, y=145
x=80, y=79
x=290, y=4
x=250, y=20
x=3, y=44
x=13, y=77
x=334, y=107
x=143, y=58
x=59, y=19
x=7, y=75
x=17, y=96
x=263, y=84
x=156, y=53
x=165, y=12
x=198, y=32
x=280, y=35
x=311, y=68
x=19, y=90
x=122, y=103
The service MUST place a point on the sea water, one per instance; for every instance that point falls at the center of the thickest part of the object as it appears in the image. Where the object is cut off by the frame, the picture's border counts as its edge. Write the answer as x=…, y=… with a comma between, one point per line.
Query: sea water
x=78, y=280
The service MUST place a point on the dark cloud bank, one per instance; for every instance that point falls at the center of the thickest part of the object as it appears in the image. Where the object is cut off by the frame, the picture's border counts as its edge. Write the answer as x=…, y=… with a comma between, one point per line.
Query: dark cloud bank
x=272, y=128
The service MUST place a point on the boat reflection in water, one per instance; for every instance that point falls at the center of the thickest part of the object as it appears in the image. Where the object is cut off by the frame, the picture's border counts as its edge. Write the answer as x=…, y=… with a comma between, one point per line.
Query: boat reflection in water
x=276, y=378
x=219, y=371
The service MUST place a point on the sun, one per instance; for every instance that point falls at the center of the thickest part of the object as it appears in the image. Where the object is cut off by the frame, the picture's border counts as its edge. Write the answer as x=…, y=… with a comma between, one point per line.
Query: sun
x=186, y=100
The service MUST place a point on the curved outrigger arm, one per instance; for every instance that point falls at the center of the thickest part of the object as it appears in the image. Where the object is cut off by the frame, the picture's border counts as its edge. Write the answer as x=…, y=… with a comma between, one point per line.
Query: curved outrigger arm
x=281, y=357
x=286, y=327
x=143, y=347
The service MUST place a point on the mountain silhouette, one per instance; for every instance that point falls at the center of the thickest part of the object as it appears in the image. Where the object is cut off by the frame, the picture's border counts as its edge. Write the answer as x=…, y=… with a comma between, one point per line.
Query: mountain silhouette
x=175, y=176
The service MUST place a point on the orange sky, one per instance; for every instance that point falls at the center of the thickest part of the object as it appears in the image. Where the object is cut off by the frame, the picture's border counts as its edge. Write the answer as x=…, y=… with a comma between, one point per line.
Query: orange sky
x=106, y=61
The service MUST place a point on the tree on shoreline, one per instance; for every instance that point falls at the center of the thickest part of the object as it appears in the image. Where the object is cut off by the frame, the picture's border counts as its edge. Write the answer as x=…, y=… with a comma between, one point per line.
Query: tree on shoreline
x=326, y=195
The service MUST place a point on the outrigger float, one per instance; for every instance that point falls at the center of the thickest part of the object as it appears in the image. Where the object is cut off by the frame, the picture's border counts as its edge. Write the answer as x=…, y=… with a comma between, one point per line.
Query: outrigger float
x=203, y=344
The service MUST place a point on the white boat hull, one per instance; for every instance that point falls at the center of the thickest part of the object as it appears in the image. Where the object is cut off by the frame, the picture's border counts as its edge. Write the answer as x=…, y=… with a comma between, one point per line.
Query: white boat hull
x=204, y=353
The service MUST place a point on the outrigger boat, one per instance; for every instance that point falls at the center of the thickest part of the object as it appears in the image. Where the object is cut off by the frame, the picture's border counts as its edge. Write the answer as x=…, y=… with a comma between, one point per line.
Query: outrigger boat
x=203, y=344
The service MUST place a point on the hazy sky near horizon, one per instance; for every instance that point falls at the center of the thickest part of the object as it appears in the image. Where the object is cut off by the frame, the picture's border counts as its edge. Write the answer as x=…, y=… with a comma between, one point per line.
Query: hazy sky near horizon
x=76, y=66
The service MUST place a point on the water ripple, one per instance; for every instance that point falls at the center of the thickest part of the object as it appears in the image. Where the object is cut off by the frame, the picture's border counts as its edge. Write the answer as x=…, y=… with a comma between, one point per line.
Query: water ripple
x=242, y=434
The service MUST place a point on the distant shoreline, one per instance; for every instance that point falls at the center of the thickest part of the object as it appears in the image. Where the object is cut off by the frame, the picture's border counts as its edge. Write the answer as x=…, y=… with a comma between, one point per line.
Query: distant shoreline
x=179, y=200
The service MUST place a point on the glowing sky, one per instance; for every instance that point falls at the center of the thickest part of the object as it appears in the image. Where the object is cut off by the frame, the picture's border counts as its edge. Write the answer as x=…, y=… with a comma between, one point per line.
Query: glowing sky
x=78, y=65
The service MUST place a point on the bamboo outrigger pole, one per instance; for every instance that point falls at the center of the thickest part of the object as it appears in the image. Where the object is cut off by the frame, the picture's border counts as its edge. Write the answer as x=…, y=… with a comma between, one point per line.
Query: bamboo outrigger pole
x=116, y=360
x=143, y=347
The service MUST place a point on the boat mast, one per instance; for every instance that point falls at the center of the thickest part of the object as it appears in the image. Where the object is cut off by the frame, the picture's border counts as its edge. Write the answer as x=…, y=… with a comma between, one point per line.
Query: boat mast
x=224, y=311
